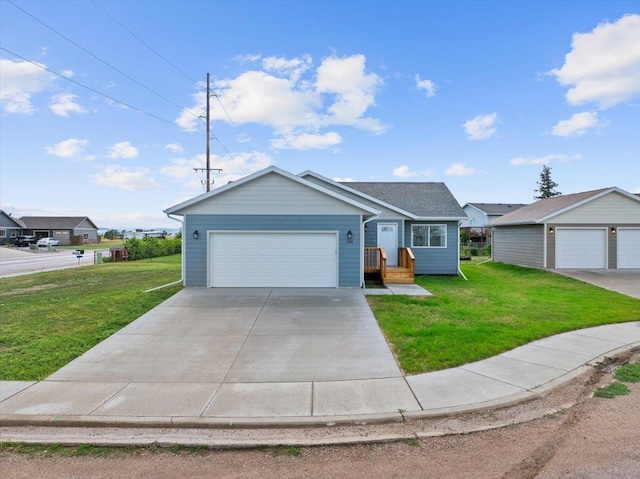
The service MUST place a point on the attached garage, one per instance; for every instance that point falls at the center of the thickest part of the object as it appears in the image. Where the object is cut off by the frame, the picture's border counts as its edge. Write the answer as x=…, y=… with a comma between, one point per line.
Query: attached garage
x=628, y=248
x=581, y=248
x=273, y=259
x=597, y=229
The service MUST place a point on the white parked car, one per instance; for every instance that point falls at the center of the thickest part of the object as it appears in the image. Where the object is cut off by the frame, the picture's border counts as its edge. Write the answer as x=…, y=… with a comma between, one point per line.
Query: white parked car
x=47, y=242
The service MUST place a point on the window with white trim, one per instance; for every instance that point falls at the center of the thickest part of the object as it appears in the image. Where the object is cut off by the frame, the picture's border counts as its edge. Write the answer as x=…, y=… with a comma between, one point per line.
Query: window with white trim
x=428, y=236
x=3, y=233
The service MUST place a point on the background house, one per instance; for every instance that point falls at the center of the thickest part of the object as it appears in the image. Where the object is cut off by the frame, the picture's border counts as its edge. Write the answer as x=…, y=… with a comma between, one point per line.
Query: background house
x=75, y=230
x=9, y=228
x=276, y=229
x=479, y=214
x=591, y=229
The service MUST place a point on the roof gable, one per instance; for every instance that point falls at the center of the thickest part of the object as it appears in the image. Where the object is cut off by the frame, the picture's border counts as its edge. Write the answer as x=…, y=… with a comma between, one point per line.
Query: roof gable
x=271, y=191
x=543, y=210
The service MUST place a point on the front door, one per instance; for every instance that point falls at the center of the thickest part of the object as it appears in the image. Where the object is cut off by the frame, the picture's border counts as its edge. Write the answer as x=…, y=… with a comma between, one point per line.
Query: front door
x=388, y=239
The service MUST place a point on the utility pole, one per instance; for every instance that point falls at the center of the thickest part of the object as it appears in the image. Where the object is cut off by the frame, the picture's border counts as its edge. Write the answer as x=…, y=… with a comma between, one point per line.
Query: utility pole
x=208, y=169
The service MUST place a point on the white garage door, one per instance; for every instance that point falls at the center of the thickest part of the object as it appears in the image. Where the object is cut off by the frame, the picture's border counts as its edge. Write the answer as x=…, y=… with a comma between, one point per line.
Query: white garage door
x=581, y=248
x=628, y=247
x=273, y=259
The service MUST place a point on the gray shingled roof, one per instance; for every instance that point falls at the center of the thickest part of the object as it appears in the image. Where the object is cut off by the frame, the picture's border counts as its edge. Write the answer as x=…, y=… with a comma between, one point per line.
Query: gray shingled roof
x=53, y=222
x=497, y=208
x=423, y=199
x=534, y=212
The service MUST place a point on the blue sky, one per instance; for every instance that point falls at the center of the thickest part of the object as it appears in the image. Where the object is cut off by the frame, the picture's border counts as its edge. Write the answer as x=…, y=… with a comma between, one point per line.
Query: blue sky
x=476, y=94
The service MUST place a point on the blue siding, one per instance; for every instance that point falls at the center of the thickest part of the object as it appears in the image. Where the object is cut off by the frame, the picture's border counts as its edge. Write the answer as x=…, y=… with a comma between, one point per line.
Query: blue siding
x=196, y=250
x=435, y=260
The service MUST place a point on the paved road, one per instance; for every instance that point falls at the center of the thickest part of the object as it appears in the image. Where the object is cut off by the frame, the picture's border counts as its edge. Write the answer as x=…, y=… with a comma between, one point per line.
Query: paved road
x=19, y=261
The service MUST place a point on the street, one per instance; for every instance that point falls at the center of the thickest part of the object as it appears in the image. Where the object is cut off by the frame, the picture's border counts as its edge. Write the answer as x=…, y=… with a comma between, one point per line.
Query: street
x=18, y=261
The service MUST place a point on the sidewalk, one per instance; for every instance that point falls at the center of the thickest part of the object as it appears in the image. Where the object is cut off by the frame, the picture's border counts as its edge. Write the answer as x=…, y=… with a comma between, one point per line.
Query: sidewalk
x=525, y=373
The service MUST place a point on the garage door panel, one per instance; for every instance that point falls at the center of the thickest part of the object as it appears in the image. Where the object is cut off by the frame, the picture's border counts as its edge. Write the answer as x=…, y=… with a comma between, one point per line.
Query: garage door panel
x=282, y=259
x=581, y=248
x=628, y=248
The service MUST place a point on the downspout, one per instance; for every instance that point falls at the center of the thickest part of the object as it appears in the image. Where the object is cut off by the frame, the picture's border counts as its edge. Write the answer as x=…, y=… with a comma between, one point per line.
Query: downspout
x=375, y=217
x=459, y=270
x=181, y=280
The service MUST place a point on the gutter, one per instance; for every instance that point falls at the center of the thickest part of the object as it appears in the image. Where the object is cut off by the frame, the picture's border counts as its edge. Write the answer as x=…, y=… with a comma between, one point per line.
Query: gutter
x=181, y=280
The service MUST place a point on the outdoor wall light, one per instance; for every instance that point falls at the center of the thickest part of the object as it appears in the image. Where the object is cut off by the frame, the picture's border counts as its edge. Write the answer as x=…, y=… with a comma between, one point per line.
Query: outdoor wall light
x=613, y=230
x=349, y=235
x=550, y=231
x=196, y=235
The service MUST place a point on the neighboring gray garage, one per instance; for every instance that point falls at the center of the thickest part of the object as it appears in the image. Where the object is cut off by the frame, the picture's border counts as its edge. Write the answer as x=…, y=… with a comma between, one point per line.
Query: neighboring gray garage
x=597, y=229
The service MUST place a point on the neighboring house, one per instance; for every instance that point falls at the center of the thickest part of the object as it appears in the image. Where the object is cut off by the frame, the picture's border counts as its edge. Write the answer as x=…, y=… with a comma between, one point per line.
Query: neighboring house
x=277, y=229
x=141, y=234
x=68, y=230
x=9, y=228
x=592, y=229
x=479, y=214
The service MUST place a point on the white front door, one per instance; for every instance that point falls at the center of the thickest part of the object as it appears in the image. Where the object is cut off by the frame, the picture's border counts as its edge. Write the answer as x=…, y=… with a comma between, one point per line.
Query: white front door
x=388, y=239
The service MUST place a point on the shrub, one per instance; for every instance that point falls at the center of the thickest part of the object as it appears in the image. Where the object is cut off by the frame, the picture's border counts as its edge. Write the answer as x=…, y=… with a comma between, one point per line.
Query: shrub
x=152, y=247
x=486, y=251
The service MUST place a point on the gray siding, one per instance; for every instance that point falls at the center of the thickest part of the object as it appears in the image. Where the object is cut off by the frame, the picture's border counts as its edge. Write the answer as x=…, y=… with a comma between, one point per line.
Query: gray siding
x=195, y=251
x=435, y=260
x=521, y=245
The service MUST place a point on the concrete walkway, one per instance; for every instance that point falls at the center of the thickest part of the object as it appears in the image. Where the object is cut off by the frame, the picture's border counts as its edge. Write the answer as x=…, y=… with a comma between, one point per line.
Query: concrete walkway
x=215, y=358
x=623, y=281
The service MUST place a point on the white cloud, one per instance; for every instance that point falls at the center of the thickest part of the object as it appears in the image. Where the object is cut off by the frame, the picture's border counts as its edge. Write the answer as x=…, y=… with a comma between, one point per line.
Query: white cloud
x=249, y=57
x=346, y=179
x=19, y=82
x=403, y=172
x=68, y=148
x=174, y=148
x=637, y=190
x=286, y=97
x=65, y=103
x=233, y=167
x=481, y=127
x=577, y=125
x=603, y=66
x=544, y=160
x=306, y=141
x=126, y=179
x=124, y=149
x=427, y=85
x=460, y=169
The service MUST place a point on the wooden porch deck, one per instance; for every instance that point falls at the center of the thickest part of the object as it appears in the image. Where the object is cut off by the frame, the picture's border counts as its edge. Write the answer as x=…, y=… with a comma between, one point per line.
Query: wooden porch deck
x=375, y=261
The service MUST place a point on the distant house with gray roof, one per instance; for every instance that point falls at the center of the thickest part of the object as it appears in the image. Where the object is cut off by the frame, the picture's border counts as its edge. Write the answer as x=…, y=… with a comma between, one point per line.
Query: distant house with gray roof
x=9, y=228
x=68, y=230
x=597, y=229
x=479, y=214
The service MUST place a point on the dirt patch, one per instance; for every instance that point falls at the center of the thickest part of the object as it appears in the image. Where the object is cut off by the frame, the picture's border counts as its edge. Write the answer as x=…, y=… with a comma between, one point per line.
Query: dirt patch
x=31, y=289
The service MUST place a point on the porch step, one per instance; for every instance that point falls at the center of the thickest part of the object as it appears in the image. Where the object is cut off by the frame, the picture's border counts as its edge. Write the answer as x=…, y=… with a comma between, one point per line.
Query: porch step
x=398, y=275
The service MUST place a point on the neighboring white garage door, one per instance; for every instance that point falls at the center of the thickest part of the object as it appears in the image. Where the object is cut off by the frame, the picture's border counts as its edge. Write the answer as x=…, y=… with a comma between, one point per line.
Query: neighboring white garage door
x=581, y=248
x=273, y=259
x=628, y=247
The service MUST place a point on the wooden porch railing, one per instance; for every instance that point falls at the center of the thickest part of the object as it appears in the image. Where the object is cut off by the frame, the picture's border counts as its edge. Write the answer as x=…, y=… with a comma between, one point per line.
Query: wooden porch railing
x=407, y=260
x=375, y=261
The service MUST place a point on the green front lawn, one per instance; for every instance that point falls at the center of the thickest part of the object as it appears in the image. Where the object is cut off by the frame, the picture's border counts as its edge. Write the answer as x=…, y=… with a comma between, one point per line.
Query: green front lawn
x=499, y=308
x=50, y=318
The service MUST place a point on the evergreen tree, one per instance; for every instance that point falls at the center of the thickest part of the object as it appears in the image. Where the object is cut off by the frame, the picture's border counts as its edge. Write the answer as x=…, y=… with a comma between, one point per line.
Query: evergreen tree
x=546, y=186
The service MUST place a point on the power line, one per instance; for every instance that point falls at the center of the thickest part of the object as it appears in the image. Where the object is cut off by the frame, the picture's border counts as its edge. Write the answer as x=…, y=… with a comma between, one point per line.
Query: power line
x=101, y=60
x=87, y=87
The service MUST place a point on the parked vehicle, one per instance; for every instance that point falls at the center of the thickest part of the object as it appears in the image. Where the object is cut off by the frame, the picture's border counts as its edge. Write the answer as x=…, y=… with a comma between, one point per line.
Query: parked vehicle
x=24, y=240
x=48, y=242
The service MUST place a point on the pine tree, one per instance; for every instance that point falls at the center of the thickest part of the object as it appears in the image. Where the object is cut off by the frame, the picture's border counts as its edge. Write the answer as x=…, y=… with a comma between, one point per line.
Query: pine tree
x=546, y=186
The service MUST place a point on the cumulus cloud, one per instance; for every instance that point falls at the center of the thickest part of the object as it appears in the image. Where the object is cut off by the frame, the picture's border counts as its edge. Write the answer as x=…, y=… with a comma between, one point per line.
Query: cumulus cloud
x=65, y=103
x=126, y=179
x=405, y=172
x=544, y=160
x=460, y=169
x=427, y=85
x=19, y=82
x=578, y=124
x=481, y=127
x=68, y=148
x=306, y=141
x=124, y=149
x=295, y=101
x=174, y=148
x=603, y=66
x=233, y=167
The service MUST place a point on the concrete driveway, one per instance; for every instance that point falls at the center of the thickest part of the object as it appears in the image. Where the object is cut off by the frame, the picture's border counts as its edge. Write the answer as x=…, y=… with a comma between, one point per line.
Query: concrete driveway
x=623, y=281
